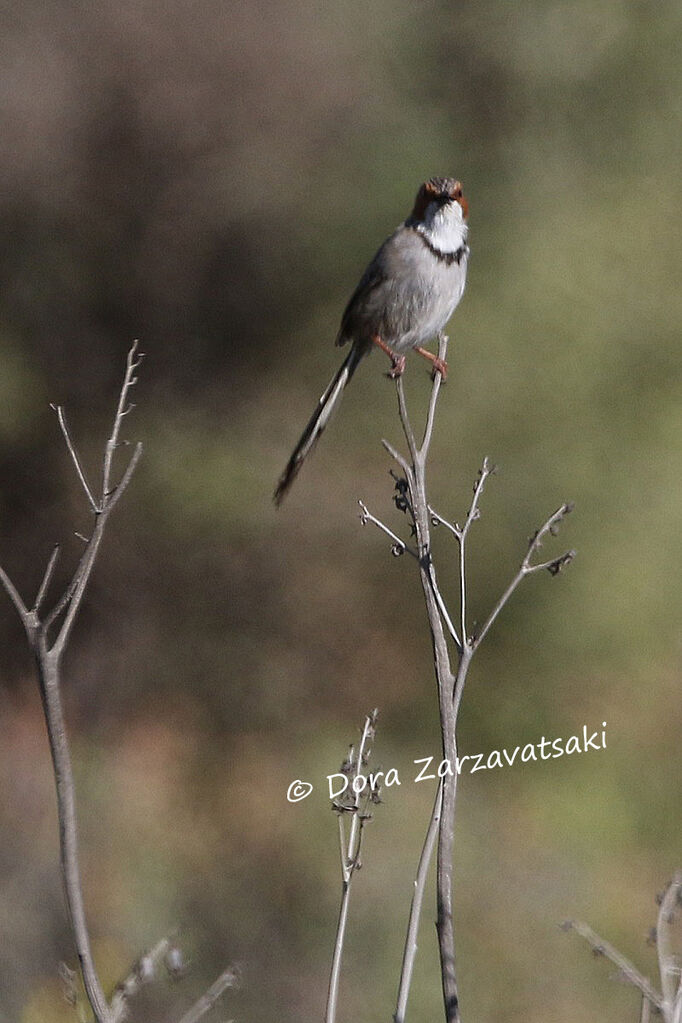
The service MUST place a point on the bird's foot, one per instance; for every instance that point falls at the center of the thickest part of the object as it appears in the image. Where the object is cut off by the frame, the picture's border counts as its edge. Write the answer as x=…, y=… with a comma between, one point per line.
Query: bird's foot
x=397, y=361
x=397, y=367
x=439, y=365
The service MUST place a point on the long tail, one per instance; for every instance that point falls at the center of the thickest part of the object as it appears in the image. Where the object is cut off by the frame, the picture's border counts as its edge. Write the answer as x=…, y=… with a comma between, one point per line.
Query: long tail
x=319, y=419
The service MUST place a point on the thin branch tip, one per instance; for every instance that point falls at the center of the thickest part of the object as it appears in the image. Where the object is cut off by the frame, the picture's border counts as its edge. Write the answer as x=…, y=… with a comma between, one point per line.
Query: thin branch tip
x=47, y=579
x=13, y=594
x=398, y=546
x=561, y=562
x=71, y=448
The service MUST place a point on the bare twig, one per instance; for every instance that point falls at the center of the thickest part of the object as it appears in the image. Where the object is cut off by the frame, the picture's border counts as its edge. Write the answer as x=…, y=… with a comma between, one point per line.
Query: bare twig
x=351, y=802
x=669, y=1002
x=73, y=596
x=144, y=971
x=435, y=391
x=71, y=447
x=399, y=546
x=13, y=594
x=645, y=1010
x=553, y=566
x=410, y=953
x=669, y=967
x=395, y=454
x=129, y=380
x=418, y=503
x=227, y=979
x=461, y=534
x=627, y=970
x=412, y=500
x=47, y=659
x=47, y=578
x=48, y=655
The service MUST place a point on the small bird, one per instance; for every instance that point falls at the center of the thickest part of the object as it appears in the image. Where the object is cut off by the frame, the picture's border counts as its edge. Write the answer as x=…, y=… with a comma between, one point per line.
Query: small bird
x=405, y=297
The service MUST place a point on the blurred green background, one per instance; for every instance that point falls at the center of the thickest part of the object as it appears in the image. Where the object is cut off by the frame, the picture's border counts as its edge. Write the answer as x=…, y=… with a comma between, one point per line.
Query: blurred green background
x=212, y=178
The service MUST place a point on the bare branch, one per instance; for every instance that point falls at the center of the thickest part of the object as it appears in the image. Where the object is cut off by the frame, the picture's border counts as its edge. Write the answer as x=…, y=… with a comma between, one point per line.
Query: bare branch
x=48, y=663
x=405, y=419
x=350, y=852
x=61, y=416
x=438, y=520
x=442, y=607
x=395, y=454
x=129, y=380
x=144, y=971
x=117, y=492
x=74, y=596
x=229, y=978
x=13, y=594
x=399, y=546
x=528, y=568
x=551, y=526
x=412, y=499
x=48, y=677
x=410, y=953
x=671, y=984
x=474, y=513
x=63, y=601
x=439, y=620
x=603, y=948
x=47, y=578
x=433, y=401
x=461, y=534
x=645, y=1010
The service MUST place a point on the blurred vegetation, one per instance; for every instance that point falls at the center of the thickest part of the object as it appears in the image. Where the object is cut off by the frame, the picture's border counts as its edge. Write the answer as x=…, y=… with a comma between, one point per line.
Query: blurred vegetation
x=213, y=178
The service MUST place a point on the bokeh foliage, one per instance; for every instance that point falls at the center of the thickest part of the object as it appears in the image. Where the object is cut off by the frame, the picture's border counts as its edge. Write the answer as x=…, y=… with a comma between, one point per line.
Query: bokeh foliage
x=213, y=178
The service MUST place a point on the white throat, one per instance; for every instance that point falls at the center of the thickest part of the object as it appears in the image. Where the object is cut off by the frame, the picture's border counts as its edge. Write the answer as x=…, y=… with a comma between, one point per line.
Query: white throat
x=444, y=226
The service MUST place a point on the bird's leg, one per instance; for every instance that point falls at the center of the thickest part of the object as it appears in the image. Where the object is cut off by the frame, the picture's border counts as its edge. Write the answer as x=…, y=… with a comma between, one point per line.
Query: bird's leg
x=439, y=365
x=397, y=361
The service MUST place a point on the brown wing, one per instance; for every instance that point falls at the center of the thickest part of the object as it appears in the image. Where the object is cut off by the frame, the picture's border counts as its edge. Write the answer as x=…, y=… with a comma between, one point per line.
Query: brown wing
x=351, y=328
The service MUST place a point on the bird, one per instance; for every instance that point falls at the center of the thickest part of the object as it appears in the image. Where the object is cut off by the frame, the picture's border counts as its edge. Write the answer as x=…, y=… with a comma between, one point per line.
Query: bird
x=405, y=297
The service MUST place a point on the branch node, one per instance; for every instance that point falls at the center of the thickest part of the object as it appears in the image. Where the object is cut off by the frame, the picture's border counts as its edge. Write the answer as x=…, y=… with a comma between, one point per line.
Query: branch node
x=564, y=559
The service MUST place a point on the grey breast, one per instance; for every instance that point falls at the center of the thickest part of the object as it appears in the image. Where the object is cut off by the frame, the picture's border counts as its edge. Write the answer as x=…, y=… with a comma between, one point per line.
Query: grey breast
x=406, y=295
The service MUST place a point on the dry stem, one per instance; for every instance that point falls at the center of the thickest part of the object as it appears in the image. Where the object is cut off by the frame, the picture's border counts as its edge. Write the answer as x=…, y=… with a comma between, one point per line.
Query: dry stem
x=668, y=1001
x=48, y=653
x=412, y=499
x=356, y=804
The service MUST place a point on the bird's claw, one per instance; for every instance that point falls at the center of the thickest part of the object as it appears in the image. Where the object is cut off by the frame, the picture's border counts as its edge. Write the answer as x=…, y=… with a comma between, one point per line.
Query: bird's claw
x=397, y=367
x=440, y=366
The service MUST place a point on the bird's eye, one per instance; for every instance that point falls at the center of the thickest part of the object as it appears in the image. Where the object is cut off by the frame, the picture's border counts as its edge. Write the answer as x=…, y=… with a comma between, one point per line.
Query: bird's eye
x=458, y=193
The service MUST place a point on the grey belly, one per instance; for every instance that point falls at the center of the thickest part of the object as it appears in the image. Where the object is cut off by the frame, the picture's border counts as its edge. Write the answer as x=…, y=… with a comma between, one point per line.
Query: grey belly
x=415, y=314
x=406, y=296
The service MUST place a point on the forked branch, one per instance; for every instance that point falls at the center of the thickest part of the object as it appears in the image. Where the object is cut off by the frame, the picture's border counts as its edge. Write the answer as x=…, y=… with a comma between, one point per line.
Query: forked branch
x=411, y=499
x=354, y=802
x=667, y=1001
x=47, y=652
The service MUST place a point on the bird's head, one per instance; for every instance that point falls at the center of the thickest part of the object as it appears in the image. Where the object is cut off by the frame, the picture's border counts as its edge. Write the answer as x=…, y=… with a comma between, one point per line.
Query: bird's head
x=441, y=211
x=440, y=194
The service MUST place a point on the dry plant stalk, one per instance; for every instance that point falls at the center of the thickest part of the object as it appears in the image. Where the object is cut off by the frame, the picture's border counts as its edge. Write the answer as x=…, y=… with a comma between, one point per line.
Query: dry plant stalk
x=668, y=1001
x=354, y=802
x=451, y=672
x=48, y=633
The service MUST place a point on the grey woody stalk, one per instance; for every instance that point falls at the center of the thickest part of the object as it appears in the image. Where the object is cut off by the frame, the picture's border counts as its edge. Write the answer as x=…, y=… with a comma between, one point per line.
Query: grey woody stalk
x=48, y=653
x=667, y=1002
x=356, y=803
x=413, y=500
x=48, y=635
